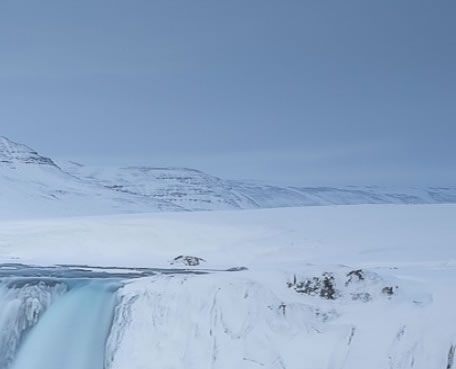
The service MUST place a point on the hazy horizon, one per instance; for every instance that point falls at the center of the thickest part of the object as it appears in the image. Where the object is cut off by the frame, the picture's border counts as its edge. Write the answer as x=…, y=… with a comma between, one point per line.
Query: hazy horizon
x=310, y=93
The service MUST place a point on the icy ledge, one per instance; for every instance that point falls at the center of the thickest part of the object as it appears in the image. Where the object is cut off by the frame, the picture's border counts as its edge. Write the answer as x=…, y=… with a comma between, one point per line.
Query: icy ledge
x=282, y=320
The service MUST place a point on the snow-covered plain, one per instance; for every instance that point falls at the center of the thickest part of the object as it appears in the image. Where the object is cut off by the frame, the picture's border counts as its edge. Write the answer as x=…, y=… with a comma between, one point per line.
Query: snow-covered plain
x=355, y=287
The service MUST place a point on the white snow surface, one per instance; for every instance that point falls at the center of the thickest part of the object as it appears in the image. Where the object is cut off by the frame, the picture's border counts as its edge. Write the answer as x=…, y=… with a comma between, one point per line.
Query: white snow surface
x=261, y=317
x=379, y=234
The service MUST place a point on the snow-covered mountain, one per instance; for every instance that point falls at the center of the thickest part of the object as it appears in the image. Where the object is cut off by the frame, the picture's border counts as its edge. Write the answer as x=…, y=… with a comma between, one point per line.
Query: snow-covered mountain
x=187, y=188
x=194, y=190
x=34, y=185
x=15, y=153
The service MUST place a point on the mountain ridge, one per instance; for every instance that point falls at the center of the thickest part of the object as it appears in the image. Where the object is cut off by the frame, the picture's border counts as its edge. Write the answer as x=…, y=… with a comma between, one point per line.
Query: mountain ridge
x=30, y=182
x=33, y=186
x=12, y=152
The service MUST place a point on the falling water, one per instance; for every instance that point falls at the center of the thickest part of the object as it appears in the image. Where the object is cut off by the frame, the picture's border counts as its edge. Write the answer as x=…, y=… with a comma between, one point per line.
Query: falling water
x=59, y=317
x=21, y=307
x=72, y=332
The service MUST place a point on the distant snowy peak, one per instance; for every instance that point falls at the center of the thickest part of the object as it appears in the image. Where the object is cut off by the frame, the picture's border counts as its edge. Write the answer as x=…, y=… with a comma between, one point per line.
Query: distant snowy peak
x=195, y=190
x=33, y=186
x=186, y=188
x=12, y=152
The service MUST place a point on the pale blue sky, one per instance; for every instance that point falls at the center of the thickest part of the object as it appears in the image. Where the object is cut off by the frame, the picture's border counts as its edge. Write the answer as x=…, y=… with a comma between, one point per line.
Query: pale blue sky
x=310, y=92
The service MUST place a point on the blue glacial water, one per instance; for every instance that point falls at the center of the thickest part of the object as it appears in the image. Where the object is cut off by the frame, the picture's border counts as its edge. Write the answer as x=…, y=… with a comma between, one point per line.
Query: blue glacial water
x=72, y=332
x=60, y=317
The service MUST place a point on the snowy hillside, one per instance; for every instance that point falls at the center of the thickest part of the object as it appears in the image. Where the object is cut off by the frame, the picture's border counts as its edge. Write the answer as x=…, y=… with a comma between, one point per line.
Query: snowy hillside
x=194, y=190
x=13, y=153
x=347, y=287
x=32, y=185
x=187, y=188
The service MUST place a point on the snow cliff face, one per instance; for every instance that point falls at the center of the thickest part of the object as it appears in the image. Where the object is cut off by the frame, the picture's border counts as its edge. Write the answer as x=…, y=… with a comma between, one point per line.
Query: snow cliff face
x=251, y=320
x=272, y=319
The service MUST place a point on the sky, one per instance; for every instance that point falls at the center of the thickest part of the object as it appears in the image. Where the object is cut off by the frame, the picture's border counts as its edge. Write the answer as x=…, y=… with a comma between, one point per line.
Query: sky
x=300, y=92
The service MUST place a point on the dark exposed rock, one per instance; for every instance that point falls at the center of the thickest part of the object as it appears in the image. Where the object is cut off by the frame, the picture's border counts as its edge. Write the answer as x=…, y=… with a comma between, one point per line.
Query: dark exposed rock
x=361, y=296
x=323, y=286
x=389, y=291
x=450, y=360
x=328, y=289
x=357, y=285
x=326, y=316
x=187, y=260
x=355, y=276
x=237, y=269
x=12, y=152
x=293, y=283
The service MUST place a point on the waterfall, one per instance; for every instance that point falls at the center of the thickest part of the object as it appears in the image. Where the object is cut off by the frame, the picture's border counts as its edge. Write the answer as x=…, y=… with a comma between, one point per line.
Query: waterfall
x=21, y=306
x=73, y=331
